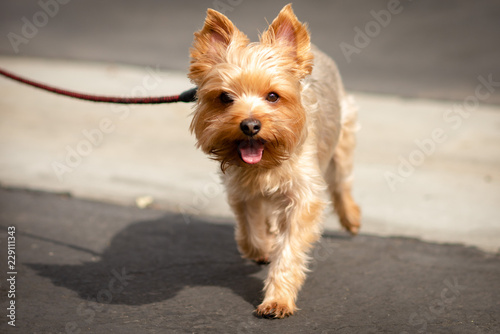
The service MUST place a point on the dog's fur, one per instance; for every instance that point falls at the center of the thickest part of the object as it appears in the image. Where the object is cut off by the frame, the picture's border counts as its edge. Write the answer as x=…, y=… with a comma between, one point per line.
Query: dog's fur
x=275, y=114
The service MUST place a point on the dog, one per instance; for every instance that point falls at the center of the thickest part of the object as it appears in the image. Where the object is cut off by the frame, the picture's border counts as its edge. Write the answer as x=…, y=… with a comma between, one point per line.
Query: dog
x=277, y=118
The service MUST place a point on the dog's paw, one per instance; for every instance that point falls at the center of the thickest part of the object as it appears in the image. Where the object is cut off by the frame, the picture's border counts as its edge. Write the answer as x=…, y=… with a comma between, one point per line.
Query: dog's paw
x=274, y=310
x=351, y=221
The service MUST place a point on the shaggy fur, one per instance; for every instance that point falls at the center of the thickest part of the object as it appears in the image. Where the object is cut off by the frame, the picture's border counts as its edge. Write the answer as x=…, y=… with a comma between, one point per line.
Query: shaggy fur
x=275, y=115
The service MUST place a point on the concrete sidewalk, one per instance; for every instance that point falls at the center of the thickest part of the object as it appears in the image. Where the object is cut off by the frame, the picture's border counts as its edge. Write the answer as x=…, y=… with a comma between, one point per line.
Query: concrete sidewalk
x=425, y=169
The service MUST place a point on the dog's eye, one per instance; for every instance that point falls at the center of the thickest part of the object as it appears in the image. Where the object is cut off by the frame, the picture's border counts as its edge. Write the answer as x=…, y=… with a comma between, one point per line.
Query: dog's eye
x=225, y=98
x=272, y=97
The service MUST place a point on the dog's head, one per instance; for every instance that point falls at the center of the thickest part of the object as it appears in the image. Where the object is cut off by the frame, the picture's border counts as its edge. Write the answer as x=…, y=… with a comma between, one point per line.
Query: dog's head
x=249, y=109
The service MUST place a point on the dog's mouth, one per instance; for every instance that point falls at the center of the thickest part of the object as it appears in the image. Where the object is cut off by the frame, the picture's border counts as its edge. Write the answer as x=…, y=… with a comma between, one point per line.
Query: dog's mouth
x=251, y=150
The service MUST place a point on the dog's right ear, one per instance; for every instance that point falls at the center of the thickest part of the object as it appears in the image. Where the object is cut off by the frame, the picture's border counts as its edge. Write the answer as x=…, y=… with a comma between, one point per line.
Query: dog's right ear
x=287, y=32
x=212, y=41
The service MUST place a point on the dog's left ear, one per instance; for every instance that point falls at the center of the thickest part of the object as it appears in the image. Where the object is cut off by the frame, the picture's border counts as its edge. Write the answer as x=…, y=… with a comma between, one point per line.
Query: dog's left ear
x=212, y=41
x=292, y=35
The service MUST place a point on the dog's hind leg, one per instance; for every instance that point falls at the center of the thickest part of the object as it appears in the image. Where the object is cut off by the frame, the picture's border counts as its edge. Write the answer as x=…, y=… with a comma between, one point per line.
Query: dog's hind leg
x=339, y=173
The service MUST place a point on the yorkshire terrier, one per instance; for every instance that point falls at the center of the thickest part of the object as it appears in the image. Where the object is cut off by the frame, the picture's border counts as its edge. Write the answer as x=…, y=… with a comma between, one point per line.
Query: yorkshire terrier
x=277, y=118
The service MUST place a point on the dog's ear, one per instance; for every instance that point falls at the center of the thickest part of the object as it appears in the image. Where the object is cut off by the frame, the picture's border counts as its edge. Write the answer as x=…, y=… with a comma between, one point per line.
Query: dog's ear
x=292, y=35
x=211, y=42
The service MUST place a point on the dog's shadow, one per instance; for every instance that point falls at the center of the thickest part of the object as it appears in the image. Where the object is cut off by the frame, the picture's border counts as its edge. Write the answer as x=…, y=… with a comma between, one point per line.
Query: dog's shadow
x=156, y=259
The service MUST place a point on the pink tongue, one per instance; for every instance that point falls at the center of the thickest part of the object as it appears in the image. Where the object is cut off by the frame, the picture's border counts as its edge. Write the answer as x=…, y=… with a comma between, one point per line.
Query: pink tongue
x=251, y=151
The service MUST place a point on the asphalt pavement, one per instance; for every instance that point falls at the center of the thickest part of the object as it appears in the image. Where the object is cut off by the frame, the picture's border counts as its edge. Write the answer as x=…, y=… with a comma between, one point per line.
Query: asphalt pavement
x=424, y=48
x=73, y=174
x=89, y=267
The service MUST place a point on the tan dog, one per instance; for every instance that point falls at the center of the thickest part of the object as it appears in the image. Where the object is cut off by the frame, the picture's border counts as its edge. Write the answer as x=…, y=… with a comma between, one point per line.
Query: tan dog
x=276, y=116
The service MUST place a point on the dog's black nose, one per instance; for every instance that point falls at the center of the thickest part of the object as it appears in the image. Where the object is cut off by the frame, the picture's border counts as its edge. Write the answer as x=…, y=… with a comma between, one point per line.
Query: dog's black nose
x=250, y=126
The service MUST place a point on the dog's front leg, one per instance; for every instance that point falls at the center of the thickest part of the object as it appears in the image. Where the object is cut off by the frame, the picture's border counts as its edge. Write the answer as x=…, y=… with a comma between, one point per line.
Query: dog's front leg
x=252, y=233
x=298, y=228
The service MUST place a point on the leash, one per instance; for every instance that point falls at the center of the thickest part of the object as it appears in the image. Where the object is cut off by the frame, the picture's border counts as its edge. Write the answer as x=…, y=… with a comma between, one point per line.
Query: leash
x=186, y=96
